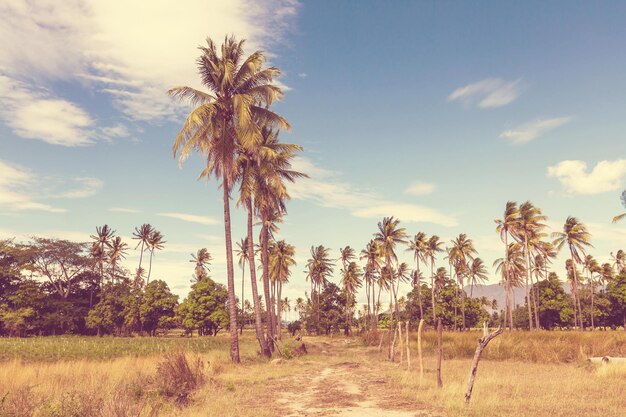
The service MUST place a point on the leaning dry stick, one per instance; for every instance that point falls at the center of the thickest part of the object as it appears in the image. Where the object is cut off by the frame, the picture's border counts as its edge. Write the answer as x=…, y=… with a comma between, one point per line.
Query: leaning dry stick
x=440, y=353
x=482, y=344
x=408, y=351
x=419, y=349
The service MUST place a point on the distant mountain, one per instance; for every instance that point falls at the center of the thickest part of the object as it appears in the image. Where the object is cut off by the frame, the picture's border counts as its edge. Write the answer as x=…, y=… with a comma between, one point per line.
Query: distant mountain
x=496, y=291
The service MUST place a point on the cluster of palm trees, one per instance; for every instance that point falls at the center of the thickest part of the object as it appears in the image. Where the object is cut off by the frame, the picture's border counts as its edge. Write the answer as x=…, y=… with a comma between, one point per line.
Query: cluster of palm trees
x=150, y=239
x=234, y=130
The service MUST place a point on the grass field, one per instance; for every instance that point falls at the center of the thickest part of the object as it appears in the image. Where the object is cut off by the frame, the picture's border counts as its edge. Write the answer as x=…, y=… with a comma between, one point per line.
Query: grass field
x=521, y=375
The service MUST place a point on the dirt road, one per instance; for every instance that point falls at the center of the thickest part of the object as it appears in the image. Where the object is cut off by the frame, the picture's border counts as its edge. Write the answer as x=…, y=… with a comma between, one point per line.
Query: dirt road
x=354, y=388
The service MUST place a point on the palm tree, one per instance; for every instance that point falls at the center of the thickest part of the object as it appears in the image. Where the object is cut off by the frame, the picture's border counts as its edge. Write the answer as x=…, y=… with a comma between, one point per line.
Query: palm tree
x=371, y=255
x=281, y=260
x=142, y=234
x=347, y=254
x=118, y=251
x=476, y=273
x=619, y=261
x=202, y=259
x=242, y=254
x=504, y=227
x=591, y=266
x=155, y=242
x=418, y=247
x=225, y=120
x=102, y=242
x=576, y=237
x=623, y=215
x=461, y=253
x=300, y=305
x=433, y=246
x=528, y=231
x=512, y=270
x=351, y=282
x=319, y=268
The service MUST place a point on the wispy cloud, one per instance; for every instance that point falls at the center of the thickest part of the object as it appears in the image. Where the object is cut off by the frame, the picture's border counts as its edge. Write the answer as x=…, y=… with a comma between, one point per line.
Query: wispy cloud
x=303, y=75
x=325, y=188
x=15, y=184
x=532, y=130
x=576, y=179
x=122, y=51
x=420, y=188
x=36, y=114
x=118, y=130
x=192, y=218
x=87, y=187
x=124, y=210
x=490, y=92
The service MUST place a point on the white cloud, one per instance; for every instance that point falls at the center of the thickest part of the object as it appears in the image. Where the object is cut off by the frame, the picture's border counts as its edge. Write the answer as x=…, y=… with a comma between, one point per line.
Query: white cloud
x=529, y=131
x=604, y=177
x=124, y=210
x=127, y=49
x=15, y=182
x=490, y=92
x=303, y=75
x=192, y=218
x=88, y=187
x=324, y=188
x=35, y=114
x=118, y=130
x=420, y=188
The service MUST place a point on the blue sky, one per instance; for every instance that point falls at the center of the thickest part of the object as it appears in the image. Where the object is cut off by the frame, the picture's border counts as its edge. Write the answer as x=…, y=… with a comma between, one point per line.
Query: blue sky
x=435, y=112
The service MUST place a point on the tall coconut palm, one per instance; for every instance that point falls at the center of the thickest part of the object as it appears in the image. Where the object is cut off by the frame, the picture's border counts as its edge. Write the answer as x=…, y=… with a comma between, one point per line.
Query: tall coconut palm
x=155, y=242
x=346, y=255
x=101, y=244
x=388, y=236
x=226, y=119
x=142, y=234
x=281, y=260
x=371, y=256
x=528, y=231
x=351, y=282
x=417, y=246
x=461, y=254
x=512, y=271
x=576, y=237
x=592, y=267
x=504, y=227
x=319, y=268
x=476, y=273
x=623, y=215
x=202, y=259
x=117, y=252
x=243, y=257
x=619, y=261
x=433, y=247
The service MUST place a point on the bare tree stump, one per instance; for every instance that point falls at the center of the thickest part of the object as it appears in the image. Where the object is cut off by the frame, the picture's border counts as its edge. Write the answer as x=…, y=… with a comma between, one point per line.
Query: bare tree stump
x=439, y=353
x=482, y=344
x=419, y=349
x=408, y=351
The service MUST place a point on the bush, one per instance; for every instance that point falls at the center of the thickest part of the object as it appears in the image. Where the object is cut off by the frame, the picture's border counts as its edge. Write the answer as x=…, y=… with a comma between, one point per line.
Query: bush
x=177, y=378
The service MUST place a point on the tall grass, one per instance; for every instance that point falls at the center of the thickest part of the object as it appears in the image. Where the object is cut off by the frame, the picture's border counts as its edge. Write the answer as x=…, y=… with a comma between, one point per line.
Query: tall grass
x=538, y=347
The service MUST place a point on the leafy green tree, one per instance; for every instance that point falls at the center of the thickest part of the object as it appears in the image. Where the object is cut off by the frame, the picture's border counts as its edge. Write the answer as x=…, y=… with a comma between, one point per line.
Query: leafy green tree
x=616, y=294
x=108, y=315
x=157, y=309
x=555, y=307
x=205, y=308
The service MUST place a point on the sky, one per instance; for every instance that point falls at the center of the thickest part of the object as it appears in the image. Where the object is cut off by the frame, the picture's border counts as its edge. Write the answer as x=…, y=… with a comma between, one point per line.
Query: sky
x=436, y=113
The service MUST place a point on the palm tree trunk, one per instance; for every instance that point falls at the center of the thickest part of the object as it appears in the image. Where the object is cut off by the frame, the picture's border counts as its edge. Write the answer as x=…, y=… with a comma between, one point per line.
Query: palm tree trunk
x=232, y=303
x=243, y=313
x=150, y=267
x=576, y=295
x=528, y=300
x=279, y=307
x=536, y=301
x=432, y=292
x=141, y=254
x=266, y=281
x=419, y=290
x=592, y=312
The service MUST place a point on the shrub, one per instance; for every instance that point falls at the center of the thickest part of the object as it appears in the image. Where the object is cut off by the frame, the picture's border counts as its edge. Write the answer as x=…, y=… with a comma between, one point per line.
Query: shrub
x=177, y=378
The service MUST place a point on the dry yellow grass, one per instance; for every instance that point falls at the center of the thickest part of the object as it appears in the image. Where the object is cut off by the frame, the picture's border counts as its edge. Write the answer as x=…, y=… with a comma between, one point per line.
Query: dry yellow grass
x=128, y=386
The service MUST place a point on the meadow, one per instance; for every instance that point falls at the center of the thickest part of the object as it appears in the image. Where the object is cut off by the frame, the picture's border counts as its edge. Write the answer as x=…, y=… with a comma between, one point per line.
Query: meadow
x=520, y=375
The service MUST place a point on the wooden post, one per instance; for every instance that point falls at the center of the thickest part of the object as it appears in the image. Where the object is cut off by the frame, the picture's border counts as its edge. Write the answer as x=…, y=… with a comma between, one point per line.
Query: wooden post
x=380, y=344
x=419, y=349
x=400, y=342
x=440, y=353
x=408, y=351
x=482, y=344
x=392, y=346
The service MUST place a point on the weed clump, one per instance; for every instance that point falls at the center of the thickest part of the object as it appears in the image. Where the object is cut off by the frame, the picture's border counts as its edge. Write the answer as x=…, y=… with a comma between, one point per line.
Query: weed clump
x=178, y=377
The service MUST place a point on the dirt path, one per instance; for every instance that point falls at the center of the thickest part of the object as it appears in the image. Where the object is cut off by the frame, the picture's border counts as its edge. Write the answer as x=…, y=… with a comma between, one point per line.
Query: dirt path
x=346, y=389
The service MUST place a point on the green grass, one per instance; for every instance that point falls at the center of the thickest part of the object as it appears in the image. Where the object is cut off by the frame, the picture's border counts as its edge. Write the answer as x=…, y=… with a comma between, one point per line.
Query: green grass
x=55, y=348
